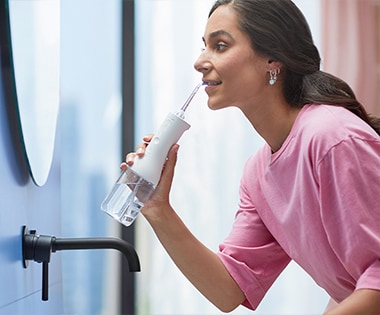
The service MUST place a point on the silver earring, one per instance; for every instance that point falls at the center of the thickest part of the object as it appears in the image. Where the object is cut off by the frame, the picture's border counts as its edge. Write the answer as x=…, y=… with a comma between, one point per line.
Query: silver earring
x=273, y=76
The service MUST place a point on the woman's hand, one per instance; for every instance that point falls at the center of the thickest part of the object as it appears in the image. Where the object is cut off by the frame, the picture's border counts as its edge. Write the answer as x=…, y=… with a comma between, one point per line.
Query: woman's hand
x=156, y=206
x=140, y=151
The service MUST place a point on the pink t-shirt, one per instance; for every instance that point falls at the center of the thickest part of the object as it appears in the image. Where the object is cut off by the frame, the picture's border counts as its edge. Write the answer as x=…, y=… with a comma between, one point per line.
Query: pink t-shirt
x=316, y=201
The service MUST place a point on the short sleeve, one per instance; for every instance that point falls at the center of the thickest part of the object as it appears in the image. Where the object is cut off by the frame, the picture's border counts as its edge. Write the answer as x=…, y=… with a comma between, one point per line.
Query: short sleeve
x=251, y=254
x=350, y=208
x=370, y=278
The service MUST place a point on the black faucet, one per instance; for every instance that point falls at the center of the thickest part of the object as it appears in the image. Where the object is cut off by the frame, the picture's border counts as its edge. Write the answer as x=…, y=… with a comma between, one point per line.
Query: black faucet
x=39, y=248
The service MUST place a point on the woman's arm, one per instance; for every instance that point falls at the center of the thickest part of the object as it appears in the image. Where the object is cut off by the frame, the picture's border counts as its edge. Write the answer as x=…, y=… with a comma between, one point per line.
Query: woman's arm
x=360, y=302
x=200, y=265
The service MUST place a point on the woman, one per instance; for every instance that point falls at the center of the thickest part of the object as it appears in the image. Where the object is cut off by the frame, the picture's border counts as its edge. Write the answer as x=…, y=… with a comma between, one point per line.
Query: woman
x=311, y=194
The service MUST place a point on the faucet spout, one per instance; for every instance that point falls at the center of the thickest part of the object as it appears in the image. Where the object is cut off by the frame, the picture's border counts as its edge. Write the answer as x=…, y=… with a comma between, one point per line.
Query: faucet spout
x=99, y=243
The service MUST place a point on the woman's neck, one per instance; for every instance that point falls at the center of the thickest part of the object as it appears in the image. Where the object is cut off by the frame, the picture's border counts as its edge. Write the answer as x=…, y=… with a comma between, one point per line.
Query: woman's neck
x=274, y=122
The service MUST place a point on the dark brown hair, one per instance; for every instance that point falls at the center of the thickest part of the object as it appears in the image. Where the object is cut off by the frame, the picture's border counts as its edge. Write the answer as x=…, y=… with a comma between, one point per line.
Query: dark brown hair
x=278, y=29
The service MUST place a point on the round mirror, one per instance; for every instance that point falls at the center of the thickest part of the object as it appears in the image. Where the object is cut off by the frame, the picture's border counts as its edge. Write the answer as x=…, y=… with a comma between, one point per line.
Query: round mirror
x=35, y=44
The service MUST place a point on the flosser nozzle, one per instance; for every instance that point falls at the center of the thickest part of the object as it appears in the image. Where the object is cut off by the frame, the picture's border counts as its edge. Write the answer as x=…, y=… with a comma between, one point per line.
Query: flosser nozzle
x=189, y=99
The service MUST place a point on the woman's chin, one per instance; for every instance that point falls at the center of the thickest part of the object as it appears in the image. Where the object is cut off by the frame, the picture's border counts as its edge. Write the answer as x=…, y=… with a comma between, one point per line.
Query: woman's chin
x=216, y=106
x=211, y=107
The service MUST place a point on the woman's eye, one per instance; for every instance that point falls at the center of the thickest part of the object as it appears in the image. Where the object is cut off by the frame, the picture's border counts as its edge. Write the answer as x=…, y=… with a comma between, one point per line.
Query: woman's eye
x=217, y=47
x=220, y=46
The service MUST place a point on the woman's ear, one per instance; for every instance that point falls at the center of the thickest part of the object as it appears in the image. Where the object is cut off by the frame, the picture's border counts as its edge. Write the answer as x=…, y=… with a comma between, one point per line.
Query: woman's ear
x=274, y=65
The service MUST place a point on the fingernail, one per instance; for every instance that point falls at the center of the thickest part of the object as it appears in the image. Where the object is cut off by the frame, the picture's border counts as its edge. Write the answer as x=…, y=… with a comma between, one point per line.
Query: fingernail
x=129, y=160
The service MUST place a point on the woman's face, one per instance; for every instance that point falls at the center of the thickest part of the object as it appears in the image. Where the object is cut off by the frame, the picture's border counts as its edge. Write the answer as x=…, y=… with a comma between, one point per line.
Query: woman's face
x=235, y=74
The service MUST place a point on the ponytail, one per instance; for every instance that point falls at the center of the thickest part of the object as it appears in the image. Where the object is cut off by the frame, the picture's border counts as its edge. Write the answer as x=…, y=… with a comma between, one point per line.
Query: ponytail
x=324, y=88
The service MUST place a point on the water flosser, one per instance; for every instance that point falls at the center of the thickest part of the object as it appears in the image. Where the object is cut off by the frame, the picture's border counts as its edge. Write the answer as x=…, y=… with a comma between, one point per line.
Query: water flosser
x=136, y=184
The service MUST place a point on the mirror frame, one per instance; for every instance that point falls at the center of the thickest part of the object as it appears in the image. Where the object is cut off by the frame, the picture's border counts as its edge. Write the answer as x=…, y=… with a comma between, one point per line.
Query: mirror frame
x=33, y=29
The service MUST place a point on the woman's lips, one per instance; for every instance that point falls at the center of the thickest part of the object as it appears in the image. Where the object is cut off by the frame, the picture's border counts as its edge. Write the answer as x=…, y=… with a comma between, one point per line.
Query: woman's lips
x=211, y=83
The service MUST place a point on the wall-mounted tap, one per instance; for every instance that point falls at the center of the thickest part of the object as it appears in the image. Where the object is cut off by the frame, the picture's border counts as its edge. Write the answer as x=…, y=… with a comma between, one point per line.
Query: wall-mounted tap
x=39, y=248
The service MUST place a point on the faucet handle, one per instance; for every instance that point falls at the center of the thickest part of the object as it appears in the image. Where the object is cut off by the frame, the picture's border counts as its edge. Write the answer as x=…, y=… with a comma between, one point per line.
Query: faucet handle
x=45, y=281
x=38, y=248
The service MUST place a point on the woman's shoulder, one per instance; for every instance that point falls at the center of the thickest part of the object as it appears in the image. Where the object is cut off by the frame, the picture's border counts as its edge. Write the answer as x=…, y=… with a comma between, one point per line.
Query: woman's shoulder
x=323, y=127
x=318, y=129
x=332, y=122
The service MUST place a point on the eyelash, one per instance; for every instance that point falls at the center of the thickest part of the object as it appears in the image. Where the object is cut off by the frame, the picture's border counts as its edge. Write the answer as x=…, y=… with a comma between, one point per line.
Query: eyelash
x=218, y=47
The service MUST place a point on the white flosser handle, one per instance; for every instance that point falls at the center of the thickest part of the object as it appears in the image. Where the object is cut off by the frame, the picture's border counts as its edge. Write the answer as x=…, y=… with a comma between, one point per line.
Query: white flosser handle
x=150, y=165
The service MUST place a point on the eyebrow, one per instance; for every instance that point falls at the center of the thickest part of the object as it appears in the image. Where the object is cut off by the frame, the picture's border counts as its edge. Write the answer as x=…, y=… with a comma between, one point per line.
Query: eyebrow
x=216, y=34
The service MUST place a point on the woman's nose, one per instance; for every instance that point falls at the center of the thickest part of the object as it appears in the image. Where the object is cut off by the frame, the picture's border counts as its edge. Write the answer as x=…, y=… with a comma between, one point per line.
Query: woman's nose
x=202, y=64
